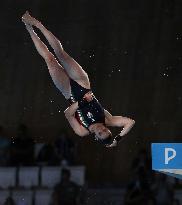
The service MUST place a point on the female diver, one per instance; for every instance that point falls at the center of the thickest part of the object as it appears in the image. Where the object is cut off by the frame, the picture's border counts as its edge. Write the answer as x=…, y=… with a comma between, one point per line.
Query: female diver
x=85, y=114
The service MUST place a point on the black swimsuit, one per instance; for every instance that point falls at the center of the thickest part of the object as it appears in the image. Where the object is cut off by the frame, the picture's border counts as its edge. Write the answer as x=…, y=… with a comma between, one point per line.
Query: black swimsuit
x=92, y=113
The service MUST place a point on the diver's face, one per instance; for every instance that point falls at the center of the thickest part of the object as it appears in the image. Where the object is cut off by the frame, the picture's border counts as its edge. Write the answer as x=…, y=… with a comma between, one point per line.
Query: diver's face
x=101, y=131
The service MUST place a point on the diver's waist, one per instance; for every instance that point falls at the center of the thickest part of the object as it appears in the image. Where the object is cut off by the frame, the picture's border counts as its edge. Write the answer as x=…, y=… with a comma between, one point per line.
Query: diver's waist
x=72, y=100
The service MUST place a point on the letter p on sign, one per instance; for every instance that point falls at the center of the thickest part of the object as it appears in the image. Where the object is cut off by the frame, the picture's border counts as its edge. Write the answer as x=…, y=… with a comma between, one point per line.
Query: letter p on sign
x=167, y=157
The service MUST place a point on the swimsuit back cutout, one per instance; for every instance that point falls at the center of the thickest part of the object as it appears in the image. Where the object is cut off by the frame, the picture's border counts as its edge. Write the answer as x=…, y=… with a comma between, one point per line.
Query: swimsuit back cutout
x=92, y=113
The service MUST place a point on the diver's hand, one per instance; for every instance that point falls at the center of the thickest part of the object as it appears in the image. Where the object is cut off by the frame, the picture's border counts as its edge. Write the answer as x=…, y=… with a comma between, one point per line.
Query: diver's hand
x=28, y=19
x=89, y=96
x=114, y=144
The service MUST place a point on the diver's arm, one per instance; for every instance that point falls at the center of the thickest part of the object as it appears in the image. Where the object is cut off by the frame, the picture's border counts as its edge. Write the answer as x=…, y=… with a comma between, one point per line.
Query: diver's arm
x=70, y=111
x=119, y=121
x=124, y=122
x=70, y=116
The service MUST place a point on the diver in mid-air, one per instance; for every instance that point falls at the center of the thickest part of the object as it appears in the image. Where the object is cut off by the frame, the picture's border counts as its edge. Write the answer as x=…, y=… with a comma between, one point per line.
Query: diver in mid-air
x=85, y=114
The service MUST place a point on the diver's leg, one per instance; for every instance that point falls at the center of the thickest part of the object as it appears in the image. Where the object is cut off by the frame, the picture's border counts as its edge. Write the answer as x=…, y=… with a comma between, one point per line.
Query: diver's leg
x=58, y=74
x=73, y=69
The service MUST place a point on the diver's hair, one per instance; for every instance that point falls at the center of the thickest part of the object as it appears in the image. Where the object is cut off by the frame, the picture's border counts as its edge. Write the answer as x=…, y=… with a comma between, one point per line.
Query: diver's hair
x=106, y=141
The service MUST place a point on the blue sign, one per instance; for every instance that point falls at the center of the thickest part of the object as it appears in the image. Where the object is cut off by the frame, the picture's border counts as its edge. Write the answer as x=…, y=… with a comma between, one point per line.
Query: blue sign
x=167, y=157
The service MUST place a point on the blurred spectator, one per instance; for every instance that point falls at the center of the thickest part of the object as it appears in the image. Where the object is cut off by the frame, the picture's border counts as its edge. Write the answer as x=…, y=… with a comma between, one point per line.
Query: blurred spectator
x=9, y=201
x=48, y=156
x=142, y=161
x=163, y=190
x=176, y=202
x=4, y=148
x=138, y=191
x=65, y=148
x=178, y=185
x=22, y=148
x=67, y=192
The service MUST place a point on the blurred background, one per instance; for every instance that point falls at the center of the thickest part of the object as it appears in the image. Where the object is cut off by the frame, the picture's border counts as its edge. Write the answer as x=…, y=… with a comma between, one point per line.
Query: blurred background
x=132, y=51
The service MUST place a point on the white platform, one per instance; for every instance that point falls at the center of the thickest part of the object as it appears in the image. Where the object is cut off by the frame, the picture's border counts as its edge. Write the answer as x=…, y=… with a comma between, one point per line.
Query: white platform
x=43, y=197
x=28, y=176
x=4, y=194
x=22, y=197
x=7, y=177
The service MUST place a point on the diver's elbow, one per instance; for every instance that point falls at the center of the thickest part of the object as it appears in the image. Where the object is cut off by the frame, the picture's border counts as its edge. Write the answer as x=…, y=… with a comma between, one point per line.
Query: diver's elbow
x=132, y=122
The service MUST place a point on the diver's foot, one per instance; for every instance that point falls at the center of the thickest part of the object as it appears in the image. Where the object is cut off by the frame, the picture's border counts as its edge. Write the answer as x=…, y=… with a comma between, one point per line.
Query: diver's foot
x=28, y=19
